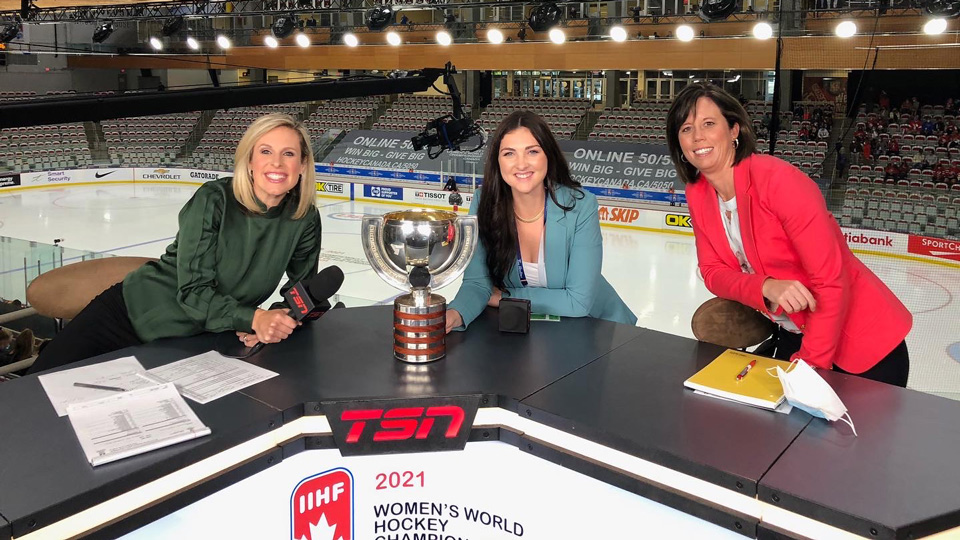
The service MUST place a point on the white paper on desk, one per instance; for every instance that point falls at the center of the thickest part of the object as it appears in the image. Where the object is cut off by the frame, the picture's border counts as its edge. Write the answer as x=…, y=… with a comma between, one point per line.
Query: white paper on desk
x=783, y=408
x=208, y=376
x=119, y=373
x=129, y=423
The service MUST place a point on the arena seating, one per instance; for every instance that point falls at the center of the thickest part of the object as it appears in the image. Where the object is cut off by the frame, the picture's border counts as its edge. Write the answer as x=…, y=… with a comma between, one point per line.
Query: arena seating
x=342, y=114
x=148, y=140
x=219, y=142
x=40, y=148
x=641, y=122
x=563, y=115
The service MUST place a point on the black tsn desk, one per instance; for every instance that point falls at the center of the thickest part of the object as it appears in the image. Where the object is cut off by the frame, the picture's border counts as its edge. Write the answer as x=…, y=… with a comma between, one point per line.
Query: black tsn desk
x=598, y=384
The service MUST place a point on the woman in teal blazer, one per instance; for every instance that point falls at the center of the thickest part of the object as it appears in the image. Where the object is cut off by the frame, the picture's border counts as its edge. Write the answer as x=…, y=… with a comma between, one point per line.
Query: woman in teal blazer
x=539, y=233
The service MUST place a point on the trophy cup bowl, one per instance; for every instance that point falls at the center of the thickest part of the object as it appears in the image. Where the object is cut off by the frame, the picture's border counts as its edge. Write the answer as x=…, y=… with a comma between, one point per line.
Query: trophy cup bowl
x=416, y=251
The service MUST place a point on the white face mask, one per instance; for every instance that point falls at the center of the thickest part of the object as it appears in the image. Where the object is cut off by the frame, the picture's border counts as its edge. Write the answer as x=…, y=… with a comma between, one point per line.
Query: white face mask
x=805, y=389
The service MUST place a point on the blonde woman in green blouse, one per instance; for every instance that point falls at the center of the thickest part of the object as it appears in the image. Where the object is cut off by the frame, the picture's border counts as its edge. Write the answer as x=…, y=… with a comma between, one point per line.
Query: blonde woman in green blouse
x=237, y=238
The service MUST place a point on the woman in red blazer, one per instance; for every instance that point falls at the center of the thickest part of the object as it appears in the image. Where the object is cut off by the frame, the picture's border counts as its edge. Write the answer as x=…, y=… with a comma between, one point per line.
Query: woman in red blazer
x=765, y=239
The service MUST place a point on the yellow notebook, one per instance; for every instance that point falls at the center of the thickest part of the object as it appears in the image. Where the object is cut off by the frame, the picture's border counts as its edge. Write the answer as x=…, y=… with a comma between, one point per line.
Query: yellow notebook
x=757, y=387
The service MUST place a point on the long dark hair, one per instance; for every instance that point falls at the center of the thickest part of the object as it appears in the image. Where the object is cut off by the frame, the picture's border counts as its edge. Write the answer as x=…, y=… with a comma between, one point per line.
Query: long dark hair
x=498, y=230
x=732, y=111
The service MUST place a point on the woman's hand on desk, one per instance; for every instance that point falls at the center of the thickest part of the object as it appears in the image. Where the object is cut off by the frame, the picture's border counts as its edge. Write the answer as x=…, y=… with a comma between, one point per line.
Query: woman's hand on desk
x=790, y=294
x=495, y=298
x=454, y=320
x=272, y=326
x=248, y=339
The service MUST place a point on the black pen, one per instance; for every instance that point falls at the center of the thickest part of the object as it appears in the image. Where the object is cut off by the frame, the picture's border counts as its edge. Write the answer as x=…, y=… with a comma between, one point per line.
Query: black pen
x=99, y=387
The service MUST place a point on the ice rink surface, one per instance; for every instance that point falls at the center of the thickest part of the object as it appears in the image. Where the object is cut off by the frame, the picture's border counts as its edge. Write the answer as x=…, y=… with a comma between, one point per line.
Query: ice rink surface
x=655, y=273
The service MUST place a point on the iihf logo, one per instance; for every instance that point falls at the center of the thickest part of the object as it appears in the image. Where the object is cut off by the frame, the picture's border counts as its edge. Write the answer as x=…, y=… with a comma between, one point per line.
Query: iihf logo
x=321, y=507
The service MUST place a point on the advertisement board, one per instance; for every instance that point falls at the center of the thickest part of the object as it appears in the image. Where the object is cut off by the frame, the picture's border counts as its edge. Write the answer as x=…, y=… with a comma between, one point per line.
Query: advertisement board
x=489, y=491
x=388, y=193
x=334, y=190
x=8, y=180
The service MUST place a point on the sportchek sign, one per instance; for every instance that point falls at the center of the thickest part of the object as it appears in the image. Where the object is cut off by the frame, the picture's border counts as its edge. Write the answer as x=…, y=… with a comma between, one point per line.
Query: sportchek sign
x=393, y=426
x=935, y=247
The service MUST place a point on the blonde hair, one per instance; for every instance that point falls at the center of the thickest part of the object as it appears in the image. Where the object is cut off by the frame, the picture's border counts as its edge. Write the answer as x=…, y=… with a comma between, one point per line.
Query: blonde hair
x=243, y=181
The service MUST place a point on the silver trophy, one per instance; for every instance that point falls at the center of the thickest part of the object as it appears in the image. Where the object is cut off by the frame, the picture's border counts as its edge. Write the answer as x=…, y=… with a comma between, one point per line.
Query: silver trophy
x=419, y=250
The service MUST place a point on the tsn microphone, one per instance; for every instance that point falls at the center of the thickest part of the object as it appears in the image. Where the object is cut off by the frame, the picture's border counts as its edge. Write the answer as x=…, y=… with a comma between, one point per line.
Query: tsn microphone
x=304, y=297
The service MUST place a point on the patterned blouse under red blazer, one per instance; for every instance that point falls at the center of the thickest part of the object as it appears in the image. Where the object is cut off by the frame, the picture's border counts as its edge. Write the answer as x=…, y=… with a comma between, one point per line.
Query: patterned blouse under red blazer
x=789, y=234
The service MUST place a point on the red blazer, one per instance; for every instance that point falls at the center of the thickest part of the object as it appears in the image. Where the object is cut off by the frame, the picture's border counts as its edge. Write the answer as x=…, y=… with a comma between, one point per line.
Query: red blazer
x=789, y=234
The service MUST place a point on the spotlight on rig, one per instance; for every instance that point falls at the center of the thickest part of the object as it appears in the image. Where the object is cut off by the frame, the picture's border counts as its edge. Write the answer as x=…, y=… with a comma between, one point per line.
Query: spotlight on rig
x=171, y=26
x=379, y=18
x=9, y=31
x=102, y=32
x=545, y=17
x=717, y=10
x=941, y=8
x=284, y=25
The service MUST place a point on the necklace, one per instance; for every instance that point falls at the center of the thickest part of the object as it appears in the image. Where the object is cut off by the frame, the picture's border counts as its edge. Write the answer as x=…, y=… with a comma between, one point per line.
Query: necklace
x=531, y=220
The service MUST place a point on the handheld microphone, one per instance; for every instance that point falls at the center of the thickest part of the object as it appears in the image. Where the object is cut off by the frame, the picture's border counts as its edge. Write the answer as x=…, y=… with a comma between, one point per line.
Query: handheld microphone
x=304, y=297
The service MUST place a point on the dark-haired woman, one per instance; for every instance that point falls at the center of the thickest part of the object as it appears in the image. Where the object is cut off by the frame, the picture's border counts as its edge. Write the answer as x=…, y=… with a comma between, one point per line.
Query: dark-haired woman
x=539, y=233
x=766, y=239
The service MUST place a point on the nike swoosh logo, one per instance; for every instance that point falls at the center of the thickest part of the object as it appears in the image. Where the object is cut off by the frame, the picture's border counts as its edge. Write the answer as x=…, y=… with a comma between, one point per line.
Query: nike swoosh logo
x=98, y=175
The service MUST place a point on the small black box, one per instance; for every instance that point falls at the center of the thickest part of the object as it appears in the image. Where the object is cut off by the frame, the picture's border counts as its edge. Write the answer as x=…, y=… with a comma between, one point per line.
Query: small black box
x=515, y=315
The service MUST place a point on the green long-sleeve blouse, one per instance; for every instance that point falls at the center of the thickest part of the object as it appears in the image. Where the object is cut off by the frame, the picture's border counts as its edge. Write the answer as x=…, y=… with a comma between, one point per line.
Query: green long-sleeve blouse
x=224, y=262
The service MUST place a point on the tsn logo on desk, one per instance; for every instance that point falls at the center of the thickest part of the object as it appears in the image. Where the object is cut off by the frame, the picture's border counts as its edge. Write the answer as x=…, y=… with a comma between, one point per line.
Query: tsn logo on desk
x=393, y=426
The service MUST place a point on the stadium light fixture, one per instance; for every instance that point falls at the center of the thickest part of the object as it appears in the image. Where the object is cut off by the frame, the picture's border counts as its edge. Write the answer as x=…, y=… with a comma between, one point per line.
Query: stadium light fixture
x=283, y=26
x=762, y=31
x=935, y=26
x=717, y=10
x=302, y=40
x=379, y=18
x=946, y=9
x=350, y=40
x=9, y=31
x=223, y=42
x=271, y=42
x=444, y=38
x=846, y=29
x=495, y=36
x=156, y=43
x=193, y=43
x=393, y=38
x=557, y=36
x=172, y=26
x=685, y=32
x=545, y=16
x=618, y=33
x=102, y=32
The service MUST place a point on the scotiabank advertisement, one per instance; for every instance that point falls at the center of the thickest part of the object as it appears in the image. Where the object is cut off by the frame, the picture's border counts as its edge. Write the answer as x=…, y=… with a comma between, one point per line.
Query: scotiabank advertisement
x=902, y=244
x=866, y=240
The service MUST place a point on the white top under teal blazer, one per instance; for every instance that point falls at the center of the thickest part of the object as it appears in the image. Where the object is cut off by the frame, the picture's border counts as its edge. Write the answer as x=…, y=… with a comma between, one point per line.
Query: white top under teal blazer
x=574, y=253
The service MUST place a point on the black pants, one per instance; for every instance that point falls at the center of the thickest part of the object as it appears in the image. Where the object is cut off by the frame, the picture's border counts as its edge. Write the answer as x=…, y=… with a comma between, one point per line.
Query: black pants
x=892, y=369
x=103, y=326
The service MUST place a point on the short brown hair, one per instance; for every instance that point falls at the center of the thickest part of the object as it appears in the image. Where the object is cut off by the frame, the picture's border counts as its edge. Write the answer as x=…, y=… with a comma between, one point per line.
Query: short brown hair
x=243, y=182
x=733, y=112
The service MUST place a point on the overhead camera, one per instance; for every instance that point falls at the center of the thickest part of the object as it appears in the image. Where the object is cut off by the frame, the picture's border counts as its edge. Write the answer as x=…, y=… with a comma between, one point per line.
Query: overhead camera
x=446, y=133
x=451, y=131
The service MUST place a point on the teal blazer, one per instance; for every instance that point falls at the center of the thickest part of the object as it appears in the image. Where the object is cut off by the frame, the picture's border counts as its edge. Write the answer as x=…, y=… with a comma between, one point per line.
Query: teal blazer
x=574, y=253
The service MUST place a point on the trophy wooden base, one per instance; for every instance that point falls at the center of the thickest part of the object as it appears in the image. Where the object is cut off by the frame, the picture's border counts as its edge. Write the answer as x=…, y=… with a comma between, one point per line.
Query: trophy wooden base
x=419, y=327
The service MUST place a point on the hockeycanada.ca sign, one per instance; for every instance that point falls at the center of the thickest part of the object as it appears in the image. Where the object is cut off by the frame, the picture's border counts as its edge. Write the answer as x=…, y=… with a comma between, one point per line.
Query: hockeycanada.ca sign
x=401, y=425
